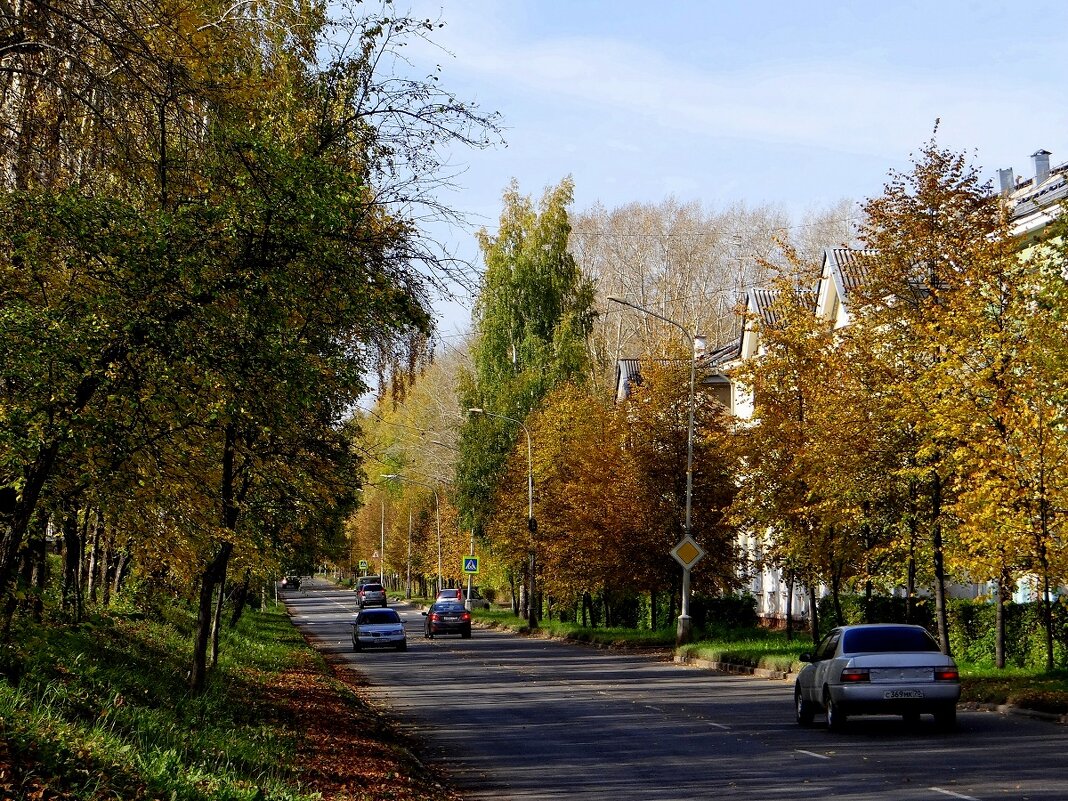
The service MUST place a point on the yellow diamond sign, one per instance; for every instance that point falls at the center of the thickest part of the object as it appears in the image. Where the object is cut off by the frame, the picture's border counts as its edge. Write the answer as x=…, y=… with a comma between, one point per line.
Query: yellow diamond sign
x=688, y=553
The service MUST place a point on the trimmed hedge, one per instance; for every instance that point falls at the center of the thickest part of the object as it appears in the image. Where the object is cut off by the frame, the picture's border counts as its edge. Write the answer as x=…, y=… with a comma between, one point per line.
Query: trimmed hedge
x=972, y=626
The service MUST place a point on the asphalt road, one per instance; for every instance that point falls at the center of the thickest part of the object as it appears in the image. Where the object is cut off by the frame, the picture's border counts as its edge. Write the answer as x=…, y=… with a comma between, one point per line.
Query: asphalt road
x=512, y=717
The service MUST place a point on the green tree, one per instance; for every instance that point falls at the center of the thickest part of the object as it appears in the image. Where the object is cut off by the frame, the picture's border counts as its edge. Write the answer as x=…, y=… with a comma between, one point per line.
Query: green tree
x=532, y=319
x=217, y=252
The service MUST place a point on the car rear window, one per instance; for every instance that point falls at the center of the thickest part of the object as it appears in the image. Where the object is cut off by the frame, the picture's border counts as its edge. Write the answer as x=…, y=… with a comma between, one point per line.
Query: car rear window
x=378, y=616
x=448, y=606
x=372, y=587
x=886, y=640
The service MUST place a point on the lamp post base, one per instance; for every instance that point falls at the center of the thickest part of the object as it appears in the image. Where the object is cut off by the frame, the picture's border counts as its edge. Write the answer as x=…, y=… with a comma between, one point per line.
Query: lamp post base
x=684, y=633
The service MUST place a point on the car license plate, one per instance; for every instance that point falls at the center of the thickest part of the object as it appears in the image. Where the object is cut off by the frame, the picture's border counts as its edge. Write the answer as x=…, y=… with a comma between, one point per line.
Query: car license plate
x=891, y=695
x=451, y=618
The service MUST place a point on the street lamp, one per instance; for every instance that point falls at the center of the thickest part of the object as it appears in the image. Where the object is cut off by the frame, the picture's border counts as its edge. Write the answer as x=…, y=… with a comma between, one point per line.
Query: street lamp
x=684, y=632
x=532, y=524
x=437, y=513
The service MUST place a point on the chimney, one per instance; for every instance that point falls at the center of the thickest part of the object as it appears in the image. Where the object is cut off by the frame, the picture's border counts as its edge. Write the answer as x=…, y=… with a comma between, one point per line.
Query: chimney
x=1008, y=181
x=1041, y=158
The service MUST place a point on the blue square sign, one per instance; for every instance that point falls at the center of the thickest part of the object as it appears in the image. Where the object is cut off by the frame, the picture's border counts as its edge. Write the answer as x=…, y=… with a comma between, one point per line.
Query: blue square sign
x=470, y=564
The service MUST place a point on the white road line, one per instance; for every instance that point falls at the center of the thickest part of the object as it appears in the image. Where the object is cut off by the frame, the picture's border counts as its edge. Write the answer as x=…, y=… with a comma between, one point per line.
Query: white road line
x=718, y=725
x=951, y=794
x=811, y=753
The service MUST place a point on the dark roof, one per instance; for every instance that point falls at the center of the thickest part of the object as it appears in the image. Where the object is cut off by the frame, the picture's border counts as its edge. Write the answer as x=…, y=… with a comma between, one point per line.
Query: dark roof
x=852, y=265
x=762, y=302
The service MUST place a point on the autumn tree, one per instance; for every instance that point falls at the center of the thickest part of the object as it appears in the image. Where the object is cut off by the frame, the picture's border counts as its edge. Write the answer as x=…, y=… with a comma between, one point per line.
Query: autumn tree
x=785, y=492
x=932, y=233
x=531, y=321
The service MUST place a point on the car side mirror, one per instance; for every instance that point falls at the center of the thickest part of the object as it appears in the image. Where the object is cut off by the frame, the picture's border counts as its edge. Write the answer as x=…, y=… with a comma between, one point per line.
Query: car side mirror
x=806, y=657
x=423, y=614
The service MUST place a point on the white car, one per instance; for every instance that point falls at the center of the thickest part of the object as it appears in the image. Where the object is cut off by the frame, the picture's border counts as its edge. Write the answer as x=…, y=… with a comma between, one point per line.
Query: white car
x=877, y=669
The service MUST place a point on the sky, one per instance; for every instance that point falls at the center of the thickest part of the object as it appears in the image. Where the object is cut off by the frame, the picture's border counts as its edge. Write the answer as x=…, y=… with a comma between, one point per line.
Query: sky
x=792, y=104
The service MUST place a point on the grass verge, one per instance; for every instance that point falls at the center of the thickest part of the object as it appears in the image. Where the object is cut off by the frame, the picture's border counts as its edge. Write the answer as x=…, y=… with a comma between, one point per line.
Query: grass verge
x=101, y=710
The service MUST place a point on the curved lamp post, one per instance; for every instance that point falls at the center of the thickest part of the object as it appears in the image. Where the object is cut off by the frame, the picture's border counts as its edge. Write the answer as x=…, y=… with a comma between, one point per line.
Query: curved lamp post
x=437, y=514
x=532, y=525
x=684, y=631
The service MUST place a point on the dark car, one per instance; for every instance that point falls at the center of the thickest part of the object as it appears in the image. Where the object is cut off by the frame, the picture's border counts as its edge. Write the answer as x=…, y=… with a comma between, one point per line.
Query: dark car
x=447, y=617
x=877, y=669
x=291, y=583
x=378, y=628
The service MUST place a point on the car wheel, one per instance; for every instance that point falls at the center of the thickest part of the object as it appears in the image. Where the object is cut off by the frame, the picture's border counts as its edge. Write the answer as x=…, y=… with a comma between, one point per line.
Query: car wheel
x=355, y=645
x=466, y=634
x=946, y=718
x=836, y=718
x=385, y=604
x=403, y=646
x=804, y=710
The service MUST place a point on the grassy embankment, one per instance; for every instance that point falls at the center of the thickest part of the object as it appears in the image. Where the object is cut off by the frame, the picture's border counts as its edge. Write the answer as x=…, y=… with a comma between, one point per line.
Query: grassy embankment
x=101, y=710
x=761, y=648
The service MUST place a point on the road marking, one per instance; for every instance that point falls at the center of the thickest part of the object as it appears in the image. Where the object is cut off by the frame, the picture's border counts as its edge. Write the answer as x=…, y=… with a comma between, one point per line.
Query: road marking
x=812, y=754
x=951, y=794
x=718, y=725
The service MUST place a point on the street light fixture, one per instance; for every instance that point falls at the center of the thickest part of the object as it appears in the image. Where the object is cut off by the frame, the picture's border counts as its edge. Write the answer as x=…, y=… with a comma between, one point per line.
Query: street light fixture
x=532, y=524
x=437, y=513
x=684, y=632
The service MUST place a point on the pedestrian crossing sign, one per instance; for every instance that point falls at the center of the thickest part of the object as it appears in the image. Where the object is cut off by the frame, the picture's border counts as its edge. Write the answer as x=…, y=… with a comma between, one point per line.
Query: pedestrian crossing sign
x=470, y=564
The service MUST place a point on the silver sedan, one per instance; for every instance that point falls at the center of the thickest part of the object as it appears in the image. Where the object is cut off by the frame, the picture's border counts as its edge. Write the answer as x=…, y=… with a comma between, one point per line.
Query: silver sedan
x=877, y=669
x=378, y=628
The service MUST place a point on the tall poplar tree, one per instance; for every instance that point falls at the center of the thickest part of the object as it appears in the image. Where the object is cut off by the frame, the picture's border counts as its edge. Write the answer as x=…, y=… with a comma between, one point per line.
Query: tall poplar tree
x=532, y=318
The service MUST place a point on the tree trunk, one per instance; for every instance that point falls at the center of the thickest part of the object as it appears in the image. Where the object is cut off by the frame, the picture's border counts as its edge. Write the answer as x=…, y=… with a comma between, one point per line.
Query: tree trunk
x=209, y=580
x=72, y=554
x=939, y=563
x=813, y=614
x=94, y=559
x=241, y=599
x=789, y=607
x=216, y=622
x=1047, y=611
x=999, y=623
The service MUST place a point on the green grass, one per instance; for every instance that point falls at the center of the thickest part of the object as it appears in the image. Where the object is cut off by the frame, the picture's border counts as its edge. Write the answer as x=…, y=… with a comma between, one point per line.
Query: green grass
x=102, y=709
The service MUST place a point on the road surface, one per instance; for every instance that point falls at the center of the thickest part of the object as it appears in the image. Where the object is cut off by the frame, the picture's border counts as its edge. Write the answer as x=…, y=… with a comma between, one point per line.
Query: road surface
x=510, y=717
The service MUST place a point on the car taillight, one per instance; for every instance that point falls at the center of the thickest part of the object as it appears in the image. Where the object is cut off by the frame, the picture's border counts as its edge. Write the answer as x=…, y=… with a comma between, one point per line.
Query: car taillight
x=466, y=616
x=851, y=675
x=947, y=674
x=435, y=616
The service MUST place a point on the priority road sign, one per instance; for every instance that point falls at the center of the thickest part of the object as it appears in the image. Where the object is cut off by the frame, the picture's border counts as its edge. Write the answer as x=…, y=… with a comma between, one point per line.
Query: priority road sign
x=470, y=564
x=687, y=553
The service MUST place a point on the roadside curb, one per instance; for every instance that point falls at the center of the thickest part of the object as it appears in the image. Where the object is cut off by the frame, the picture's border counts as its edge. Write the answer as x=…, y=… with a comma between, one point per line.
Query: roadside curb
x=1019, y=711
x=733, y=668
x=783, y=675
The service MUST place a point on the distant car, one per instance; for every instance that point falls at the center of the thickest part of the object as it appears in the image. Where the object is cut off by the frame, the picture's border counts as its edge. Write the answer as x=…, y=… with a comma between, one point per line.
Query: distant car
x=291, y=583
x=877, y=669
x=477, y=601
x=371, y=595
x=450, y=594
x=447, y=617
x=378, y=628
x=367, y=580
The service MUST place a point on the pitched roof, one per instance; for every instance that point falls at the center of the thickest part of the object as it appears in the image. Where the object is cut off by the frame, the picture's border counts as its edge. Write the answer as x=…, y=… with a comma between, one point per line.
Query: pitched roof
x=851, y=266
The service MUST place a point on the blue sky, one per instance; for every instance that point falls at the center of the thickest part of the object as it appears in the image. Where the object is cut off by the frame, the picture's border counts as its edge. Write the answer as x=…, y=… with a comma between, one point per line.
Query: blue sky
x=788, y=103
